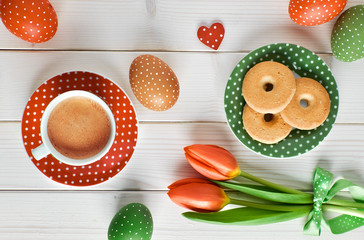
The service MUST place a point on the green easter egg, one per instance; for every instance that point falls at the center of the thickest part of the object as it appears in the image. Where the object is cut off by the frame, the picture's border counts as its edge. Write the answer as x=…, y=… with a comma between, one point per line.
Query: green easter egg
x=347, y=39
x=132, y=222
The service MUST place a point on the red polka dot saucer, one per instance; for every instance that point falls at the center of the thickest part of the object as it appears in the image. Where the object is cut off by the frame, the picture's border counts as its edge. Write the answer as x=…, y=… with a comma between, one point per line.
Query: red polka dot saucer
x=126, y=128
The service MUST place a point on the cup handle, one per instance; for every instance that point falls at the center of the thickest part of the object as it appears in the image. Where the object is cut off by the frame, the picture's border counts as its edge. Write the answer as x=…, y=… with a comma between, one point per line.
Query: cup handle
x=40, y=152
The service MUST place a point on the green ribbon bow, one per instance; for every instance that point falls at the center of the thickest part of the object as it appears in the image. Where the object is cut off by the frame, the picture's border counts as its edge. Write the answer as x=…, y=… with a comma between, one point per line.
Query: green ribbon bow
x=322, y=194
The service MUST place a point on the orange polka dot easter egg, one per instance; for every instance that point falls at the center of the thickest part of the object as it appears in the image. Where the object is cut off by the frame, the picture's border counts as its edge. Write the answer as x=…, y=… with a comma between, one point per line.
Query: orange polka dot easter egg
x=313, y=12
x=153, y=82
x=34, y=21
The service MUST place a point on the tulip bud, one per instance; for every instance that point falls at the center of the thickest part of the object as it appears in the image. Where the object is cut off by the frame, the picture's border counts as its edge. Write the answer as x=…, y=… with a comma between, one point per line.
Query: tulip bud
x=198, y=195
x=212, y=161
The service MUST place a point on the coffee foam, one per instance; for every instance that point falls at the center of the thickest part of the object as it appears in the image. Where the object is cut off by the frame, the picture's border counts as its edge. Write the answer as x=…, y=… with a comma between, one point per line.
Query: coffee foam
x=78, y=128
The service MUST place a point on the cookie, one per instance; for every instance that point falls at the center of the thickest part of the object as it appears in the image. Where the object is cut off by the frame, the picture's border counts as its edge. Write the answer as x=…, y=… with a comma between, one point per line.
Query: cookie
x=268, y=87
x=310, y=105
x=265, y=128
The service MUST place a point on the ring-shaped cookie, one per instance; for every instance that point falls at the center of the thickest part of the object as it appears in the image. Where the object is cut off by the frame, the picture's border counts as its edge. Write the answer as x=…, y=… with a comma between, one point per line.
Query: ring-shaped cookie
x=268, y=87
x=265, y=128
x=310, y=105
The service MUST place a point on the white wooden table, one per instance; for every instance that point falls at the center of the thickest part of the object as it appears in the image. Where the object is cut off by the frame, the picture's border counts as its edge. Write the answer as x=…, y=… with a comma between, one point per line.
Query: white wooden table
x=104, y=36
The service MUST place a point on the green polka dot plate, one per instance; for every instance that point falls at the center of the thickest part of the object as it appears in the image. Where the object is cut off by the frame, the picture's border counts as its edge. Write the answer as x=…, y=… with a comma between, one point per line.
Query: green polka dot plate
x=302, y=62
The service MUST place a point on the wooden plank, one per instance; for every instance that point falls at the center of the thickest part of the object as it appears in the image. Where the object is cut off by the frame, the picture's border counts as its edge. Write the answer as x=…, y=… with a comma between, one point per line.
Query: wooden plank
x=86, y=215
x=104, y=37
x=172, y=25
x=202, y=78
x=159, y=158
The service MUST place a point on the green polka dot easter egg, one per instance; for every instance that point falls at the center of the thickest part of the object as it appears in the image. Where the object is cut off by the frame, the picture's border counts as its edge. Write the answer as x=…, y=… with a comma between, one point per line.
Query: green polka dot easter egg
x=347, y=39
x=132, y=222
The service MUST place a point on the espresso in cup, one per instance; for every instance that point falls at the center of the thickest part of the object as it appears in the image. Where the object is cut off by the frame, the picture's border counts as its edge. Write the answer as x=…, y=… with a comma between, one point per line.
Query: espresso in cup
x=78, y=127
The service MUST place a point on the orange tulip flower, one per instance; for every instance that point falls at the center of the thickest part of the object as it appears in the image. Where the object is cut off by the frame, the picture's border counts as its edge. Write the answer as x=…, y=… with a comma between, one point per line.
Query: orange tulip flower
x=212, y=161
x=198, y=195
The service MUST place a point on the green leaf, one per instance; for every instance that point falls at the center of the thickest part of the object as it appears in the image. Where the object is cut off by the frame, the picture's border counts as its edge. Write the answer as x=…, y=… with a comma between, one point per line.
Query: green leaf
x=268, y=195
x=244, y=216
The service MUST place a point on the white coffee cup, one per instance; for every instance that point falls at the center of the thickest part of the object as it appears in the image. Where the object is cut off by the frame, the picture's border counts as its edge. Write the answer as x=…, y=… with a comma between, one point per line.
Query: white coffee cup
x=47, y=148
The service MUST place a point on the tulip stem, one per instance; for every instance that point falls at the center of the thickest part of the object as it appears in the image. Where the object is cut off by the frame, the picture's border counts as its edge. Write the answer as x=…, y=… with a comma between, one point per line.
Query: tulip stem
x=270, y=184
x=273, y=207
x=343, y=210
x=345, y=203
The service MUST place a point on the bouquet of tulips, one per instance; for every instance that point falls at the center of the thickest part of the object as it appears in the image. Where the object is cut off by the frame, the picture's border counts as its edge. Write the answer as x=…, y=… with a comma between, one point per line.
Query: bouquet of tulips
x=265, y=203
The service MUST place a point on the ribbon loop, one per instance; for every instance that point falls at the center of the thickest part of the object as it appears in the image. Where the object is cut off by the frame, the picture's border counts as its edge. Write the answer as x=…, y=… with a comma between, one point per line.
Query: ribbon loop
x=322, y=181
x=345, y=223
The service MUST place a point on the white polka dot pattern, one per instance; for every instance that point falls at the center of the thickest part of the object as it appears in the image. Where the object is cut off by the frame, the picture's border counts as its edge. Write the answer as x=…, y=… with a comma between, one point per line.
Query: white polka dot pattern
x=132, y=222
x=153, y=83
x=34, y=21
x=314, y=12
x=347, y=39
x=303, y=62
x=126, y=128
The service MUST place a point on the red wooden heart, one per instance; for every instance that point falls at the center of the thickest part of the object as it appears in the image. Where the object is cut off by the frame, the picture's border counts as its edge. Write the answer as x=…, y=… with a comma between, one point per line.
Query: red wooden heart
x=211, y=37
